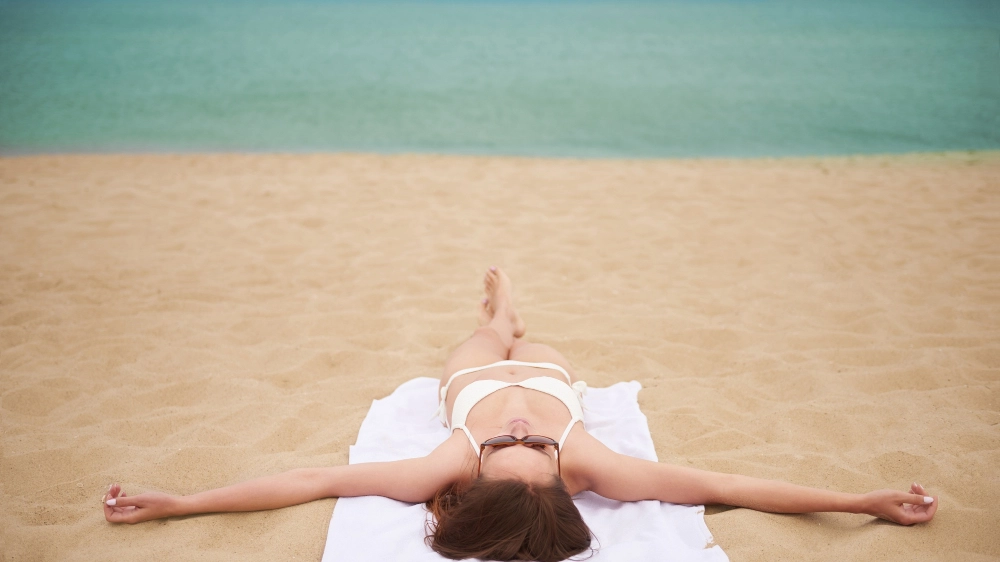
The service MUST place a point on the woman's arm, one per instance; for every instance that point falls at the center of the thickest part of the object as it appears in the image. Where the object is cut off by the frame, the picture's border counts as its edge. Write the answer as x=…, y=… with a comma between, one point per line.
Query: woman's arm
x=626, y=478
x=411, y=480
x=269, y=492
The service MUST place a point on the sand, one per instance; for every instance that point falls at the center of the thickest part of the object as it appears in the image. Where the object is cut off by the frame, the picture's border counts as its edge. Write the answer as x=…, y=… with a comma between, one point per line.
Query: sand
x=181, y=322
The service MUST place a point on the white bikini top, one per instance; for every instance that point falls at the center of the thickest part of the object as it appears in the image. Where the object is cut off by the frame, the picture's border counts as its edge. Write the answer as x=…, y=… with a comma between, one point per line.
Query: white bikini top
x=472, y=394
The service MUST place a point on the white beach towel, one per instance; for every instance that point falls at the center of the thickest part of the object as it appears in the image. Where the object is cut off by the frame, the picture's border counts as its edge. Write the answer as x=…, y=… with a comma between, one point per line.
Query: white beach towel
x=400, y=426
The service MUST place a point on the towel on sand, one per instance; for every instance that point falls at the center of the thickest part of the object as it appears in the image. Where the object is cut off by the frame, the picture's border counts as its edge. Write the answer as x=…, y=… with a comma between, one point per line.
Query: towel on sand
x=400, y=426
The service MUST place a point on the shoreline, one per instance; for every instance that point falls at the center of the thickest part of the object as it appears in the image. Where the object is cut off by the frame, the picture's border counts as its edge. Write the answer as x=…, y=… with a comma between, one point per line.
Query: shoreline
x=417, y=154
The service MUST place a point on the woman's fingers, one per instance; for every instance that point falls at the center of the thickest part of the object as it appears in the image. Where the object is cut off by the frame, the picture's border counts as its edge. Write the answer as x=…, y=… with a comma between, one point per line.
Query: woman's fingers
x=932, y=509
x=905, y=508
x=135, y=509
x=118, y=506
x=916, y=507
x=124, y=501
x=122, y=515
x=113, y=491
x=926, y=511
x=918, y=499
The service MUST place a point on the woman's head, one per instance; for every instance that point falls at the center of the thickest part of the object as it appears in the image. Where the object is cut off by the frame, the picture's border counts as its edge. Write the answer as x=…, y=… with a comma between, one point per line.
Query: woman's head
x=507, y=519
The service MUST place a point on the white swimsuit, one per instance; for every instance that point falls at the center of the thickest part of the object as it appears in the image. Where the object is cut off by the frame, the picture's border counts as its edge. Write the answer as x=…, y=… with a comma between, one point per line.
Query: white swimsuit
x=472, y=394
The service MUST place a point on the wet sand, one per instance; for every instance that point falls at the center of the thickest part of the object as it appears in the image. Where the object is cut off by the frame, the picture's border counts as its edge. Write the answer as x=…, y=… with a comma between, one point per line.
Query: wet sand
x=181, y=322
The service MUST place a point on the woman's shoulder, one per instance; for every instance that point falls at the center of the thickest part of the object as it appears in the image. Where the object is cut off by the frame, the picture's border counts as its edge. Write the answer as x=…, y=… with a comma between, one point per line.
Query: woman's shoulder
x=453, y=457
x=582, y=456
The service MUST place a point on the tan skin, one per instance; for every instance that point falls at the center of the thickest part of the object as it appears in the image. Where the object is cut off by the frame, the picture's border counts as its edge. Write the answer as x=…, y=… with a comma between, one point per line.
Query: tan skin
x=587, y=464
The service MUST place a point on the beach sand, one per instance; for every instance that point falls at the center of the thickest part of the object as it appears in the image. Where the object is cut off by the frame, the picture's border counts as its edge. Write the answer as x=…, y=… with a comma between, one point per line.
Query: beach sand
x=182, y=322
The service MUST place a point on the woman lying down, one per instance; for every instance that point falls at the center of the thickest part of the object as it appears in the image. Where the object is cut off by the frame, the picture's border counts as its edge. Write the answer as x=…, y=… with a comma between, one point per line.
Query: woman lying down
x=501, y=486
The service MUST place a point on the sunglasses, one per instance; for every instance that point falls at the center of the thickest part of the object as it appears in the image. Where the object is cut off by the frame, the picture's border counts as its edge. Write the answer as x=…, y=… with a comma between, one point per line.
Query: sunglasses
x=532, y=441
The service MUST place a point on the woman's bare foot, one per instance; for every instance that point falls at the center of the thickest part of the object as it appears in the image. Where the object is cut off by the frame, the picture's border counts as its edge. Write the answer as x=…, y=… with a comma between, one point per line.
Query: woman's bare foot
x=485, y=312
x=499, y=299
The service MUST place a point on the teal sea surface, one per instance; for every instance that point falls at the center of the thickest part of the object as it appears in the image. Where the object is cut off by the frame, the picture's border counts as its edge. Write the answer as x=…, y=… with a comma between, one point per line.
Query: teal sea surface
x=544, y=78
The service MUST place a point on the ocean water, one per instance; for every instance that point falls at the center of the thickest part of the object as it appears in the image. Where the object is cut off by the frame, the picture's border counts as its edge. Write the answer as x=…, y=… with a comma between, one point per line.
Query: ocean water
x=525, y=77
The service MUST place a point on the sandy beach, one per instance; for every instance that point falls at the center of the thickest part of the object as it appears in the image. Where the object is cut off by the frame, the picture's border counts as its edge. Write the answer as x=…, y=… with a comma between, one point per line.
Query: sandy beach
x=182, y=322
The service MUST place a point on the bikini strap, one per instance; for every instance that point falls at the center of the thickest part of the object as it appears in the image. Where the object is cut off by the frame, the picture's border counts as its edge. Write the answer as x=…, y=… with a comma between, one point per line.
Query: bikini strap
x=565, y=434
x=472, y=440
x=440, y=413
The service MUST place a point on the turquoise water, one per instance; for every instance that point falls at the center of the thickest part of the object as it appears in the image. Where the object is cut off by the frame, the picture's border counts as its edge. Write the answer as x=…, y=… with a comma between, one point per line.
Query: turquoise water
x=550, y=78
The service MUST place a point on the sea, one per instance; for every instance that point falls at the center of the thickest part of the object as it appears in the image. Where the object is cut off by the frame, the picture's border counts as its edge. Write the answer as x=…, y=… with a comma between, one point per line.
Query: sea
x=560, y=78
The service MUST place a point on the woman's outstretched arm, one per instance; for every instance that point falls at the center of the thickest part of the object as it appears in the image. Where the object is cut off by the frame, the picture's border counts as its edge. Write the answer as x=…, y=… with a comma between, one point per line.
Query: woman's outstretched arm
x=626, y=478
x=269, y=492
x=411, y=480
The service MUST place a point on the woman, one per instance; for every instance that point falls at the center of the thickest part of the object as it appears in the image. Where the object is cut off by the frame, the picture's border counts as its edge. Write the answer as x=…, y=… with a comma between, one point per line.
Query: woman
x=500, y=486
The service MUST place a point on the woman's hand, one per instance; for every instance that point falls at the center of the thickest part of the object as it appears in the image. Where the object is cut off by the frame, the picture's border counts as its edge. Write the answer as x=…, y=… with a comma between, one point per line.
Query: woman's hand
x=119, y=508
x=901, y=507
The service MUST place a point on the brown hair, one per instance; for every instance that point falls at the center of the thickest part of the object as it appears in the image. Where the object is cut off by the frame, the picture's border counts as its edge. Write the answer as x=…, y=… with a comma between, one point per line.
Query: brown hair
x=506, y=520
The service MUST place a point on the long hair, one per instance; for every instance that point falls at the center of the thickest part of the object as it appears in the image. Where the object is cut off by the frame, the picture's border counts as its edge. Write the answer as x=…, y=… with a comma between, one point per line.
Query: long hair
x=506, y=520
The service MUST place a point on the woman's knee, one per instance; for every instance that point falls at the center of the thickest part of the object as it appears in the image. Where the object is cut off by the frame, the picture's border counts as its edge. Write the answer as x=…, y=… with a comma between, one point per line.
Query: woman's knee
x=540, y=353
x=483, y=348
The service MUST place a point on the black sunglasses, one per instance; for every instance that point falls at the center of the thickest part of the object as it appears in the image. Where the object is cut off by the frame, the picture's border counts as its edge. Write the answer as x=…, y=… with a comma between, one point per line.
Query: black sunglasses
x=533, y=441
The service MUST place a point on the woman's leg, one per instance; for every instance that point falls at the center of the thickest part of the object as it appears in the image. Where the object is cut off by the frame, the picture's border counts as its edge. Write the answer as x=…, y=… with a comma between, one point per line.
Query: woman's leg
x=540, y=353
x=501, y=327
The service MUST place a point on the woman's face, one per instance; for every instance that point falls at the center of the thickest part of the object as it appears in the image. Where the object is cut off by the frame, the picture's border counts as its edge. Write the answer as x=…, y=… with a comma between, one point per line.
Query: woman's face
x=523, y=463
x=530, y=464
